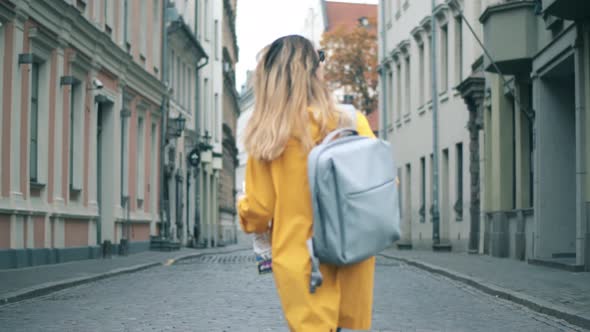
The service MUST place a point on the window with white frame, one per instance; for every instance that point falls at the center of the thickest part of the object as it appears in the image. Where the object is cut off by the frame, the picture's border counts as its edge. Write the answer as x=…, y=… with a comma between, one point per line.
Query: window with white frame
x=459, y=165
x=125, y=149
x=216, y=40
x=390, y=96
x=422, y=210
x=408, y=92
x=156, y=33
x=458, y=49
x=444, y=57
x=153, y=159
x=206, y=111
x=206, y=15
x=171, y=71
x=217, y=117
x=182, y=96
x=189, y=106
x=398, y=95
x=127, y=24
x=140, y=160
x=421, y=78
x=34, y=125
x=143, y=31
x=109, y=6
x=178, y=89
x=77, y=92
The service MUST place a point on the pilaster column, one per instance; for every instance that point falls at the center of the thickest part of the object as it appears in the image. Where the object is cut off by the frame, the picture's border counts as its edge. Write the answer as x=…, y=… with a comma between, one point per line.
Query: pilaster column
x=472, y=91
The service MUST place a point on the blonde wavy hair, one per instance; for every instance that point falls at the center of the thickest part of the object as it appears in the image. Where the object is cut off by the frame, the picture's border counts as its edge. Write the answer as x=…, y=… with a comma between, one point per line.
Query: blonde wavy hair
x=286, y=83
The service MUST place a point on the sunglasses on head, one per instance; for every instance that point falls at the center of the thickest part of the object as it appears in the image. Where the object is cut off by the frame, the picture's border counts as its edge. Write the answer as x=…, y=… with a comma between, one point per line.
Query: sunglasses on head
x=322, y=55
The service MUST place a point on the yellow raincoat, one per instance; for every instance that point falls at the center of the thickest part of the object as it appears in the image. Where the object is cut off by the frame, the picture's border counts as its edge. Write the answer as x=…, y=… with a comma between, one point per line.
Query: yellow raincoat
x=279, y=191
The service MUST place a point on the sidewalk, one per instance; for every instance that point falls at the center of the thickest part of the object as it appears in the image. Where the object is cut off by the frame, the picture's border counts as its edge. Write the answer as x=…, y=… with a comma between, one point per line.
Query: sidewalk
x=20, y=284
x=559, y=293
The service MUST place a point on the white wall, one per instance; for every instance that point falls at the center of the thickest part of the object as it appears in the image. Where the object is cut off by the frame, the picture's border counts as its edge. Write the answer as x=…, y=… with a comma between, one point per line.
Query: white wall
x=412, y=126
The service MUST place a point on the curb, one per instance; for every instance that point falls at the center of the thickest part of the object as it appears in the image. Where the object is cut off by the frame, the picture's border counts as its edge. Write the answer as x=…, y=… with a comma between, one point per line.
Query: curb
x=51, y=287
x=528, y=301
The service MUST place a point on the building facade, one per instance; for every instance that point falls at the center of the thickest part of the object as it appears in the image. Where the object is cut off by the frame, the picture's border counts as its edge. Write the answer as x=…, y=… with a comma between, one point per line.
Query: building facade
x=80, y=126
x=406, y=68
x=533, y=109
x=231, y=109
x=185, y=57
x=206, y=18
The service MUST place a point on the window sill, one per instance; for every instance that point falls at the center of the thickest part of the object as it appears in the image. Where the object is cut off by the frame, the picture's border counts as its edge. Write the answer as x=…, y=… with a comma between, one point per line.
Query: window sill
x=142, y=57
x=398, y=15
x=398, y=123
x=456, y=92
x=422, y=110
x=444, y=97
x=36, y=185
x=459, y=219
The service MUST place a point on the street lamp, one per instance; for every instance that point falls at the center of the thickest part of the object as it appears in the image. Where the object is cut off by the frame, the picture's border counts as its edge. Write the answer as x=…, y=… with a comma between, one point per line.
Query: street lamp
x=177, y=126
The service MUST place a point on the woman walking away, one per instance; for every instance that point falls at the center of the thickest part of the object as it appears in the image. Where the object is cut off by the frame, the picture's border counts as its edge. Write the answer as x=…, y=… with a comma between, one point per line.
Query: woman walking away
x=294, y=111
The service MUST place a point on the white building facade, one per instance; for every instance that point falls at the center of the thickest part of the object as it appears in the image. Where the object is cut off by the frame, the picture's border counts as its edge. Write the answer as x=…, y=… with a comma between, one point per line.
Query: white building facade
x=406, y=81
x=205, y=17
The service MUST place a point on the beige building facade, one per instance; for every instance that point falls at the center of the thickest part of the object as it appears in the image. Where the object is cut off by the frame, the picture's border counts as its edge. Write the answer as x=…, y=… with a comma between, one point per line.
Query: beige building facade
x=81, y=128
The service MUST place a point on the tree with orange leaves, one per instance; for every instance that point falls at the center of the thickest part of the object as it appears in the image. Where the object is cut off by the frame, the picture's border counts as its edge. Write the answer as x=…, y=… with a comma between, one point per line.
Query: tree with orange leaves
x=351, y=62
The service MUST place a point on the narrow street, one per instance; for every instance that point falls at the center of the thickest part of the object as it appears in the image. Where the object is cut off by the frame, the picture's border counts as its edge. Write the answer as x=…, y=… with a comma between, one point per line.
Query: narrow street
x=224, y=293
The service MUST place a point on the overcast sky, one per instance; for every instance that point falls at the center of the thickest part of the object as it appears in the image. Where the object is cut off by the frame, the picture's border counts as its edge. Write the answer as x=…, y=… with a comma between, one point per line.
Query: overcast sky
x=259, y=22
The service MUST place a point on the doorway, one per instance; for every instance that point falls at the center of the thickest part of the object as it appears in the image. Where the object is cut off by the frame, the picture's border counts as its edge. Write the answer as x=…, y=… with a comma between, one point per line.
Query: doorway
x=556, y=163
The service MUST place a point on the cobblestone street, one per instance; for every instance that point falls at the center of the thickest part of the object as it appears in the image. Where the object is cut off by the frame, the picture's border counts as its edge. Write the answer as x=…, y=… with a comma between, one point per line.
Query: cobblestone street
x=224, y=293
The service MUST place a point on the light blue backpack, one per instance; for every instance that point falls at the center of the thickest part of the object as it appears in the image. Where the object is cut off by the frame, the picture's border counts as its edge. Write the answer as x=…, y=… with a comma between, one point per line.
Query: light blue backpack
x=354, y=194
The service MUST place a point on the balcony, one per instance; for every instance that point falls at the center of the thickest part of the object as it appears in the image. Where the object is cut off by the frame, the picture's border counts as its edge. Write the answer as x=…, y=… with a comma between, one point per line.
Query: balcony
x=510, y=35
x=567, y=9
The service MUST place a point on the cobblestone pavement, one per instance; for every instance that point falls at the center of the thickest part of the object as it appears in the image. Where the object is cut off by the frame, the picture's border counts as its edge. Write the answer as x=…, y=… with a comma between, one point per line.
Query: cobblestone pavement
x=224, y=293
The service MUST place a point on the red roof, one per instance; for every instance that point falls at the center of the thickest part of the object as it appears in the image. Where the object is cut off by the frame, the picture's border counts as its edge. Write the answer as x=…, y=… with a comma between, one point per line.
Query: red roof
x=347, y=14
x=373, y=119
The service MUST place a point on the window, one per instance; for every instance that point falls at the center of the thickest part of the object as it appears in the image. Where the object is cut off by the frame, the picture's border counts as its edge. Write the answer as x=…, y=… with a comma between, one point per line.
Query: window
x=390, y=96
x=398, y=97
x=126, y=24
x=153, y=159
x=206, y=20
x=178, y=88
x=76, y=113
x=459, y=166
x=408, y=191
x=458, y=50
x=140, y=159
x=428, y=76
x=171, y=70
x=431, y=183
x=216, y=40
x=422, y=189
x=190, y=91
x=124, y=151
x=108, y=16
x=156, y=33
x=444, y=58
x=422, y=79
x=182, y=97
x=408, y=87
x=400, y=192
x=217, y=123
x=206, y=110
x=34, y=124
x=143, y=31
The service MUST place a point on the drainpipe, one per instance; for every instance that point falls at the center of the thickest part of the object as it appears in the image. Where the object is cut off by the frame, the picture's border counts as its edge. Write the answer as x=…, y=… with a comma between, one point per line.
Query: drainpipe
x=383, y=114
x=435, y=213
